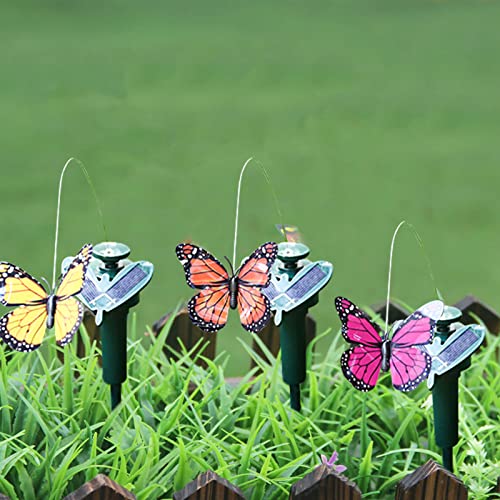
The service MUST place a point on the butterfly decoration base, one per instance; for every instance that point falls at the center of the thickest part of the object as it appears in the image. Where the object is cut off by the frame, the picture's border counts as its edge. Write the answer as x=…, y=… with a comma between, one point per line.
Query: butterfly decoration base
x=111, y=288
x=452, y=350
x=286, y=293
x=294, y=288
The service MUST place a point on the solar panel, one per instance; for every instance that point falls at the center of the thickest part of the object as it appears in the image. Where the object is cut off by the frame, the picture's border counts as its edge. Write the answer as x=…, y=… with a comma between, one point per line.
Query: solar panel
x=89, y=291
x=285, y=294
x=458, y=346
x=120, y=287
x=271, y=291
x=100, y=294
x=307, y=281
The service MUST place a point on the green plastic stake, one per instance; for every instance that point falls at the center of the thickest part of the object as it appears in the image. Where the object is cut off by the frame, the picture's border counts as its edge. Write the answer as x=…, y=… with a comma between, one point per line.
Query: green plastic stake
x=445, y=393
x=113, y=329
x=293, y=324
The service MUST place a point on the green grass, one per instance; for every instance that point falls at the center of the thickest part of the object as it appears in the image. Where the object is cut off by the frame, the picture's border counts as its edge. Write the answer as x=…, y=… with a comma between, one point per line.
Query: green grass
x=56, y=429
x=363, y=112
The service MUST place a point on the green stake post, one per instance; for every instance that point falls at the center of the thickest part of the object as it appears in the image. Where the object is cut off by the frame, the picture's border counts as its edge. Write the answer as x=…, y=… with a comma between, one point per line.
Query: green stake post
x=293, y=324
x=113, y=329
x=445, y=393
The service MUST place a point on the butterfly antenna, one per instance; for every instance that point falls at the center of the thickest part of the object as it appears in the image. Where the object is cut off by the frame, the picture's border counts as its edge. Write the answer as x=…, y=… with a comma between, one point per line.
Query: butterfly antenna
x=389, y=277
x=47, y=283
x=230, y=265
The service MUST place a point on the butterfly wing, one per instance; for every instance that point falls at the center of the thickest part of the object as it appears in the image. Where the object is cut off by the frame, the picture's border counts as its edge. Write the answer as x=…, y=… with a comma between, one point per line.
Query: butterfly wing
x=361, y=366
x=408, y=364
x=356, y=326
x=254, y=273
x=254, y=308
x=72, y=280
x=17, y=287
x=361, y=363
x=255, y=270
x=202, y=269
x=23, y=328
x=67, y=319
x=208, y=309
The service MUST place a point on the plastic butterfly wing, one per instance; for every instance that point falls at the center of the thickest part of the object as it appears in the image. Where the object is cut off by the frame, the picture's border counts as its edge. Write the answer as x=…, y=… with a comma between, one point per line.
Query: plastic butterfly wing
x=220, y=292
x=372, y=351
x=23, y=328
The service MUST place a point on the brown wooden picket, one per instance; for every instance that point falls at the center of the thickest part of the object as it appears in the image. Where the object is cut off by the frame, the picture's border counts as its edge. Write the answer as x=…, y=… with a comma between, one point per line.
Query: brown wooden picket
x=496, y=490
x=270, y=336
x=431, y=481
x=490, y=317
x=101, y=488
x=209, y=486
x=183, y=330
x=396, y=311
x=324, y=483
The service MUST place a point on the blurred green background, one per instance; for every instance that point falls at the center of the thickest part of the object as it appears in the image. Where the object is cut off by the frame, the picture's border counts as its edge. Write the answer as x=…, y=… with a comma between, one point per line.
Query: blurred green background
x=364, y=113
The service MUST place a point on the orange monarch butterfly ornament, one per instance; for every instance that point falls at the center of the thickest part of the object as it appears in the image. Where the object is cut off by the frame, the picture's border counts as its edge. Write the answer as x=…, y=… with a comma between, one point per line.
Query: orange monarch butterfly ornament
x=23, y=328
x=220, y=292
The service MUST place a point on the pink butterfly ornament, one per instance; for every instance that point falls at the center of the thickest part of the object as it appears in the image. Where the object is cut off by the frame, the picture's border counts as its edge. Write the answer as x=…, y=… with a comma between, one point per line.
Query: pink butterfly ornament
x=372, y=351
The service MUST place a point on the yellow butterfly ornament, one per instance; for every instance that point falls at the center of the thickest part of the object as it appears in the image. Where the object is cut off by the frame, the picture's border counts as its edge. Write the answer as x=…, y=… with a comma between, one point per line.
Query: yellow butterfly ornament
x=23, y=328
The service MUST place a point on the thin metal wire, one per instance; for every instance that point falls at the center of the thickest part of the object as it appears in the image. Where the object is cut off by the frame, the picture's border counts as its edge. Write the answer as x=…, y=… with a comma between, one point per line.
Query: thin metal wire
x=275, y=199
x=389, y=277
x=238, y=209
x=58, y=213
x=56, y=239
x=427, y=259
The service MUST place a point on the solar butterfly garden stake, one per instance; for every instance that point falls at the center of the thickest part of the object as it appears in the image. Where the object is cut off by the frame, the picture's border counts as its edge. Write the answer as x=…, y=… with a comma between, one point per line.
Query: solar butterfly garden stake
x=112, y=287
x=294, y=288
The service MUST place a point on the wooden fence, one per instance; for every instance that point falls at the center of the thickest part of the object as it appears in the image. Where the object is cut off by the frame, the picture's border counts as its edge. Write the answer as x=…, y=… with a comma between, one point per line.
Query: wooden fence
x=428, y=482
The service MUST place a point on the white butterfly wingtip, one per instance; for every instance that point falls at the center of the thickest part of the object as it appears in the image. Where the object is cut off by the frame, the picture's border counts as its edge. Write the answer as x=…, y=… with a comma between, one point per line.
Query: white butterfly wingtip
x=433, y=309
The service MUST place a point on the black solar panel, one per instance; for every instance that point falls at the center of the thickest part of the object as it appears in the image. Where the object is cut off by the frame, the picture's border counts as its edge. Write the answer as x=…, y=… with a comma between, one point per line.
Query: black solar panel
x=305, y=283
x=121, y=287
x=458, y=346
x=89, y=291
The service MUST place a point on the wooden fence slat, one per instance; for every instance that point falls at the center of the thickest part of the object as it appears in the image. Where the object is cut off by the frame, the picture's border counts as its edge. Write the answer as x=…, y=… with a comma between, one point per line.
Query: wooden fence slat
x=270, y=335
x=488, y=315
x=495, y=493
x=183, y=330
x=396, y=312
x=431, y=482
x=101, y=488
x=209, y=486
x=323, y=483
